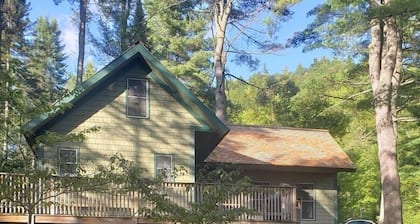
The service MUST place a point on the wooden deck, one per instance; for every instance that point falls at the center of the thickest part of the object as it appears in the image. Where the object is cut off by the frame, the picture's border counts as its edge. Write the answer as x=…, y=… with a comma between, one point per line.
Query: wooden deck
x=51, y=219
x=48, y=219
x=272, y=204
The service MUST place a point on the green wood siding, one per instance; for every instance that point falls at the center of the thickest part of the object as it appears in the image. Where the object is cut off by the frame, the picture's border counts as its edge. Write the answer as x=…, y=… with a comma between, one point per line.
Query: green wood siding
x=166, y=131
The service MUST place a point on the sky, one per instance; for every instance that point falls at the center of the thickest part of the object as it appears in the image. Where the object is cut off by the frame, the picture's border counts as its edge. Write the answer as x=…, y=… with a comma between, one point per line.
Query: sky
x=286, y=59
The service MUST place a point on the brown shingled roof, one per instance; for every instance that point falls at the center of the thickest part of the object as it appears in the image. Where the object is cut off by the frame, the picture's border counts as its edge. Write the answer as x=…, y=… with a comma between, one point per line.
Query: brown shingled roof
x=284, y=147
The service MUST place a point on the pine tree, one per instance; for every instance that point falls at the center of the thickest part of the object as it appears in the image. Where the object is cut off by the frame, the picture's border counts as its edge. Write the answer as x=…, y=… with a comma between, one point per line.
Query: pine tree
x=13, y=48
x=46, y=63
x=177, y=36
x=83, y=19
x=119, y=23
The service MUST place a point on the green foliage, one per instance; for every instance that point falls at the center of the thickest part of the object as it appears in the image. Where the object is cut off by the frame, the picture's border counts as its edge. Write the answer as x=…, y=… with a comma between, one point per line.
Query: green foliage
x=309, y=99
x=13, y=58
x=51, y=138
x=344, y=26
x=27, y=187
x=335, y=95
x=177, y=35
x=46, y=64
x=359, y=192
x=119, y=23
x=90, y=70
x=409, y=163
x=266, y=102
x=219, y=183
x=122, y=175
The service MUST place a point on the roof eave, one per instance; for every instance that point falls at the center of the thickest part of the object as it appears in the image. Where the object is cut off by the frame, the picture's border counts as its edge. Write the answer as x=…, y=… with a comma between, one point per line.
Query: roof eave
x=196, y=107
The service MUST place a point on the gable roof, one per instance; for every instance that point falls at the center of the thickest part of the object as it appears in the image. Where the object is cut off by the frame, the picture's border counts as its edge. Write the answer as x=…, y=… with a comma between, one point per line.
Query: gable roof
x=281, y=147
x=138, y=54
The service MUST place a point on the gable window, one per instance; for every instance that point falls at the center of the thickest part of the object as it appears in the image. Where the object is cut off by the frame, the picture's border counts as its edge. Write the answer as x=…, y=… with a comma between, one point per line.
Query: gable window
x=137, y=98
x=306, y=196
x=164, y=166
x=68, y=160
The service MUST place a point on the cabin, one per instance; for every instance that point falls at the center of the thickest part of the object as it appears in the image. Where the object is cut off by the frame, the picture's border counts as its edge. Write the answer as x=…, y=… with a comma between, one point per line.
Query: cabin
x=144, y=113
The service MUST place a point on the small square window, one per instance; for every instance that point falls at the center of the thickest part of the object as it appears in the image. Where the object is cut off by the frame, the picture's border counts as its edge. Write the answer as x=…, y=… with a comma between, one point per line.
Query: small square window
x=68, y=160
x=137, y=98
x=164, y=166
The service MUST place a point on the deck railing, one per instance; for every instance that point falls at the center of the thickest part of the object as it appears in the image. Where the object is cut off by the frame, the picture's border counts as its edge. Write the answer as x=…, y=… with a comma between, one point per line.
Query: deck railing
x=269, y=203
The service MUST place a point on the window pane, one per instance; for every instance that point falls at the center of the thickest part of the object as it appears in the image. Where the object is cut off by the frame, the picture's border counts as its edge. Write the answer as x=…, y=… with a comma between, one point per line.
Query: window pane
x=164, y=162
x=137, y=98
x=305, y=194
x=137, y=88
x=164, y=166
x=305, y=191
x=137, y=107
x=67, y=161
x=307, y=210
x=68, y=156
x=67, y=169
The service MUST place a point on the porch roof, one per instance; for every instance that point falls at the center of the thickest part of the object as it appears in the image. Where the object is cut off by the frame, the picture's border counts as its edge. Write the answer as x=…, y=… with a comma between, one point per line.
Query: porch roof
x=281, y=147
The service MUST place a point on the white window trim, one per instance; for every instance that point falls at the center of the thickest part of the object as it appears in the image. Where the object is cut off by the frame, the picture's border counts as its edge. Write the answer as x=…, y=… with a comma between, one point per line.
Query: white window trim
x=147, y=99
x=67, y=163
x=314, y=201
x=169, y=178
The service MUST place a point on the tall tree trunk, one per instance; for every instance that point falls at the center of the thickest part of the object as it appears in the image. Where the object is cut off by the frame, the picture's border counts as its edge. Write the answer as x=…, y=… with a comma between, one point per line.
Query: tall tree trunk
x=5, y=54
x=82, y=34
x=1, y=65
x=125, y=9
x=222, y=11
x=384, y=69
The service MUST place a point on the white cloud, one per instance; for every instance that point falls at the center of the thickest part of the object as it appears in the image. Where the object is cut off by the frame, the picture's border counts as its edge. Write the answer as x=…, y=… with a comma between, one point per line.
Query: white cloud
x=69, y=35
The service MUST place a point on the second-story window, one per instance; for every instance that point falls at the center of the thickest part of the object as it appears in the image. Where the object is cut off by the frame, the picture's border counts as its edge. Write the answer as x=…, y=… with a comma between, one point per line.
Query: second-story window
x=137, y=98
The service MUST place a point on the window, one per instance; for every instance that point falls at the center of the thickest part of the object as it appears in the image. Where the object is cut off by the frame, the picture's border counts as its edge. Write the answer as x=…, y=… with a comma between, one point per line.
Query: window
x=68, y=160
x=164, y=166
x=137, y=98
x=305, y=194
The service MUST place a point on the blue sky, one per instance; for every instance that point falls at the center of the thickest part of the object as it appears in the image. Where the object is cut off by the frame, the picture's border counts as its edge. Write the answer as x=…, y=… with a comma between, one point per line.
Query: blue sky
x=287, y=59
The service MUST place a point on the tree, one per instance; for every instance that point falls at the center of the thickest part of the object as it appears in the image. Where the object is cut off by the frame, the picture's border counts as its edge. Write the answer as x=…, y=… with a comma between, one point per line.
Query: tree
x=119, y=23
x=177, y=36
x=264, y=99
x=83, y=5
x=336, y=22
x=83, y=19
x=13, y=53
x=46, y=61
x=385, y=67
x=231, y=12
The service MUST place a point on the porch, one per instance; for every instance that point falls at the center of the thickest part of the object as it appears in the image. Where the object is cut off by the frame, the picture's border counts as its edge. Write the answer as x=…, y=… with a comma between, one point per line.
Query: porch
x=270, y=204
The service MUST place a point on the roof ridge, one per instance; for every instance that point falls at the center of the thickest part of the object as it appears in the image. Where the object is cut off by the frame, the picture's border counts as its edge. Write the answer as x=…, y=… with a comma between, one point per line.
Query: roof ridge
x=277, y=127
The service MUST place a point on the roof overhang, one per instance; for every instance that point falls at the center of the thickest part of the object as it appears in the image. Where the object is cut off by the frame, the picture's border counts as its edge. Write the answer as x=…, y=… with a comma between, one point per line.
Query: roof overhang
x=157, y=72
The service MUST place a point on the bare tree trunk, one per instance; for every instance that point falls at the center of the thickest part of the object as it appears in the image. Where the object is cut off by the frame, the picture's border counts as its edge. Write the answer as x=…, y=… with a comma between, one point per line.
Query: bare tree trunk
x=384, y=68
x=222, y=11
x=5, y=52
x=125, y=11
x=82, y=35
